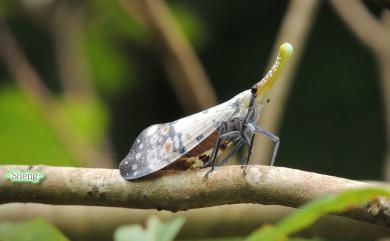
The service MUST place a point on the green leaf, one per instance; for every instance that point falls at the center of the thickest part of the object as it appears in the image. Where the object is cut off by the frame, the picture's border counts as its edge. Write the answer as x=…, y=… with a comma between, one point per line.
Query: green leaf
x=32, y=230
x=26, y=138
x=88, y=118
x=218, y=239
x=8, y=8
x=305, y=239
x=310, y=212
x=155, y=231
x=130, y=233
x=110, y=68
x=107, y=36
x=191, y=24
x=158, y=231
x=111, y=19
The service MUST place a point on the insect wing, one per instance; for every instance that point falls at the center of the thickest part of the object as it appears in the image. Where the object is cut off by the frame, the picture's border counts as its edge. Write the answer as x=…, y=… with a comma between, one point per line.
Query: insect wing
x=161, y=144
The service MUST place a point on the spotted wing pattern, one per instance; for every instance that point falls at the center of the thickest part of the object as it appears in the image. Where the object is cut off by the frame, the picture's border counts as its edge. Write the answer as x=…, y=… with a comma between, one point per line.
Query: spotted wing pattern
x=161, y=144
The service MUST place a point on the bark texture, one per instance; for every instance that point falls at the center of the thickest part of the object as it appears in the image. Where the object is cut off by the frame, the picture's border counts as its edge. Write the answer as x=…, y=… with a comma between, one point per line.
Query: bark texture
x=183, y=190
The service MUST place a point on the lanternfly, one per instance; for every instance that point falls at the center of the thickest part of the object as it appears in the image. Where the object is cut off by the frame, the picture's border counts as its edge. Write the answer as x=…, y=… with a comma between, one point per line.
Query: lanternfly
x=197, y=140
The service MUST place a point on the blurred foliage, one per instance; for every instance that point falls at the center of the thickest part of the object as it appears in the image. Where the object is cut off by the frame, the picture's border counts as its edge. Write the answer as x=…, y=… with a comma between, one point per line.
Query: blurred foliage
x=26, y=137
x=88, y=117
x=32, y=230
x=108, y=30
x=304, y=239
x=218, y=239
x=191, y=24
x=8, y=8
x=299, y=220
x=309, y=213
x=155, y=231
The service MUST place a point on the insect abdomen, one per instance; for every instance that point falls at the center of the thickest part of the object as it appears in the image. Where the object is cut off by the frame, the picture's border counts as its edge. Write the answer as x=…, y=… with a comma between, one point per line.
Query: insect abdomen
x=197, y=156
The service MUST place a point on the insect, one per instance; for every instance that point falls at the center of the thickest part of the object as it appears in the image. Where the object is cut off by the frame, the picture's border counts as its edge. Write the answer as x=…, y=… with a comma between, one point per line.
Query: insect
x=197, y=140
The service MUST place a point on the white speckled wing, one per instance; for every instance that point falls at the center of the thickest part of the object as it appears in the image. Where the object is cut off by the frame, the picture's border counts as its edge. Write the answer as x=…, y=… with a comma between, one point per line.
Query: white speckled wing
x=161, y=144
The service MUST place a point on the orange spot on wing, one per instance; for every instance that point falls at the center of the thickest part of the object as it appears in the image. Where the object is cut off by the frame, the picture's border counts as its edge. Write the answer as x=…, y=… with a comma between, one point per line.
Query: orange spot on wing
x=188, y=136
x=168, y=147
x=164, y=130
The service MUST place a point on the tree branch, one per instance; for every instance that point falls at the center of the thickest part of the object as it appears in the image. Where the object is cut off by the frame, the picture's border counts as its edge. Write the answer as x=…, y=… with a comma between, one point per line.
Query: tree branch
x=362, y=23
x=66, y=28
x=183, y=190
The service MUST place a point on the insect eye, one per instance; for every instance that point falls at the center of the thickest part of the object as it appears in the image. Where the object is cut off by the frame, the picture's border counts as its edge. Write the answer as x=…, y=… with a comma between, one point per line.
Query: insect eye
x=268, y=100
x=253, y=90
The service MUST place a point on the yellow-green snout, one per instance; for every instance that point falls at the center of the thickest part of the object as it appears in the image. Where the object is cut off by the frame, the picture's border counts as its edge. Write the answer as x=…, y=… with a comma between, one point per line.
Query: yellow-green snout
x=285, y=51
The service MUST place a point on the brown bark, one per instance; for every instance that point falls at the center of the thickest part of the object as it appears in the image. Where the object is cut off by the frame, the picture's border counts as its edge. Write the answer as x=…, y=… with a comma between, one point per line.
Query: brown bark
x=182, y=190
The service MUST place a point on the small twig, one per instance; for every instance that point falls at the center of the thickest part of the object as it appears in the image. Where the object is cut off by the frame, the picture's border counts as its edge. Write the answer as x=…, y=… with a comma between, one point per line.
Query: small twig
x=67, y=35
x=362, y=23
x=183, y=190
x=295, y=29
x=25, y=76
x=384, y=71
x=85, y=222
x=187, y=76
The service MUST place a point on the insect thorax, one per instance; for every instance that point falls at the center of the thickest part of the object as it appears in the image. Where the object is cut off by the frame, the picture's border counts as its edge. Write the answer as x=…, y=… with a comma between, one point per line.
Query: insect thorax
x=243, y=99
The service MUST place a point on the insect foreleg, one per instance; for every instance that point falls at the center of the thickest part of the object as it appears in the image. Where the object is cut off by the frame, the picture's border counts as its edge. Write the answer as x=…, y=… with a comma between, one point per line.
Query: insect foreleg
x=251, y=109
x=268, y=134
x=250, y=145
x=246, y=138
x=230, y=135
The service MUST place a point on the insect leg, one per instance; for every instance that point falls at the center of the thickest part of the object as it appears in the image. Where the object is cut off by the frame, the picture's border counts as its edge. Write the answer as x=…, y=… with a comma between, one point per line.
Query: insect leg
x=251, y=109
x=229, y=135
x=249, y=143
x=232, y=151
x=214, y=153
x=273, y=137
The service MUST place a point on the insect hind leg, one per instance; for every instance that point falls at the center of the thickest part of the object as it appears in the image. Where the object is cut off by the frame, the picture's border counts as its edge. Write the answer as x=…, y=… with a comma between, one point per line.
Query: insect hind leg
x=234, y=149
x=270, y=135
x=221, y=136
x=229, y=135
x=214, y=153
